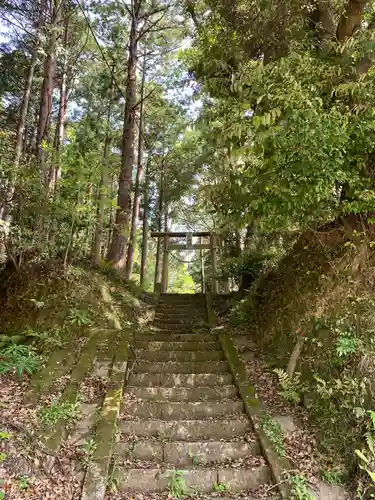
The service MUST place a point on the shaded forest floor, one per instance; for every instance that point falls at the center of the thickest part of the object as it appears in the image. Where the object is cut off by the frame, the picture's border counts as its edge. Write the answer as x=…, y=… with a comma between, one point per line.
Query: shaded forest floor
x=66, y=327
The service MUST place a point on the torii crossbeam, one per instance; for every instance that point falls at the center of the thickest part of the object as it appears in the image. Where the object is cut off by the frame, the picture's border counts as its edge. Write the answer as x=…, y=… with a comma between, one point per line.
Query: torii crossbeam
x=187, y=245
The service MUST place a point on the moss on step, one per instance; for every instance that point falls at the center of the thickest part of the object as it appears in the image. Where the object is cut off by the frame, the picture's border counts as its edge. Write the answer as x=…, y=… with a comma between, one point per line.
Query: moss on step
x=53, y=438
x=278, y=465
x=95, y=482
x=59, y=363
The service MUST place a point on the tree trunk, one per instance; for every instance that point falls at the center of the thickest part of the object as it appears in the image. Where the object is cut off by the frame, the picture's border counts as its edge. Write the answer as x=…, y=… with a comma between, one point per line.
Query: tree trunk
x=203, y=273
x=61, y=121
x=42, y=136
x=145, y=226
x=98, y=239
x=351, y=19
x=139, y=178
x=6, y=208
x=117, y=250
x=24, y=108
x=160, y=220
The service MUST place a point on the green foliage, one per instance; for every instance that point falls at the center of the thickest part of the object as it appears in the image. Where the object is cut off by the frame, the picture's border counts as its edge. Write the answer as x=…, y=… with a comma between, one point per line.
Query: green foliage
x=367, y=456
x=24, y=483
x=19, y=358
x=346, y=345
x=299, y=488
x=58, y=410
x=3, y=436
x=194, y=458
x=78, y=317
x=292, y=388
x=334, y=476
x=273, y=431
x=87, y=451
x=177, y=486
x=220, y=487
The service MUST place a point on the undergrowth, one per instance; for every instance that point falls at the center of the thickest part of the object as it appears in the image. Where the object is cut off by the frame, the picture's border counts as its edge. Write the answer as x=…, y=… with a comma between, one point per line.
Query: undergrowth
x=46, y=308
x=322, y=291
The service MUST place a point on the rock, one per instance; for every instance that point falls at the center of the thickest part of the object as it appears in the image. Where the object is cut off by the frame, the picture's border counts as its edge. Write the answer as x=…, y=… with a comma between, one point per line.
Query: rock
x=286, y=423
x=325, y=491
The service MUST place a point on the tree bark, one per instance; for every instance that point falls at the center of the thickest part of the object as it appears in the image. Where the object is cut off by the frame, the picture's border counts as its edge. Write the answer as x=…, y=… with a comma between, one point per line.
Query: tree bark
x=45, y=107
x=61, y=120
x=145, y=226
x=117, y=250
x=139, y=178
x=9, y=192
x=350, y=21
x=160, y=221
x=98, y=239
x=24, y=108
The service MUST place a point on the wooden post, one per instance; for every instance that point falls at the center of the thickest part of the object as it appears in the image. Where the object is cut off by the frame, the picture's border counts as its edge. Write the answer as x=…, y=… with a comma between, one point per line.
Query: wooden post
x=203, y=277
x=215, y=285
x=164, y=279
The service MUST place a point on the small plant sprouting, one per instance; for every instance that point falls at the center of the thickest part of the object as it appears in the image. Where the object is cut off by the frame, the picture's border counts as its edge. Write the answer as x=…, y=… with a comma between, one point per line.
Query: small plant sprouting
x=2, y=492
x=194, y=458
x=24, y=482
x=220, y=488
x=3, y=436
x=273, y=431
x=333, y=476
x=87, y=450
x=78, y=317
x=58, y=410
x=299, y=488
x=177, y=485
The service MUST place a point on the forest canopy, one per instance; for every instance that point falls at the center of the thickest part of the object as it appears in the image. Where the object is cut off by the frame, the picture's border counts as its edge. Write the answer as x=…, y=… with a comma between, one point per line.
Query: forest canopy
x=117, y=118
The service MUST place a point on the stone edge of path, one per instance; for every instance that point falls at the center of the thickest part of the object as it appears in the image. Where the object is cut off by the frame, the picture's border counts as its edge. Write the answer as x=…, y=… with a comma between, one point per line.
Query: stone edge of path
x=96, y=478
x=53, y=438
x=95, y=482
x=279, y=466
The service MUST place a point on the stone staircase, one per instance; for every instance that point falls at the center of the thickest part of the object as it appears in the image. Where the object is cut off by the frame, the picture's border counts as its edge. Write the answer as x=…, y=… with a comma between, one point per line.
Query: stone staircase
x=181, y=411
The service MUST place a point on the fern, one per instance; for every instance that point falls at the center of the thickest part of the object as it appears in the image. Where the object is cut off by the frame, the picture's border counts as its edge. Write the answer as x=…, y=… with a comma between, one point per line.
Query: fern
x=291, y=387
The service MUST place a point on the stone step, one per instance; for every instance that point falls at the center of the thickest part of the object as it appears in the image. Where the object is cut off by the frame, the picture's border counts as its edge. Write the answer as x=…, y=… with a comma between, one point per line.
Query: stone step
x=177, y=346
x=183, y=307
x=144, y=354
x=182, y=367
x=178, y=320
x=183, y=394
x=177, y=337
x=180, y=379
x=181, y=454
x=174, y=327
x=195, y=479
x=187, y=430
x=182, y=297
x=179, y=316
x=182, y=411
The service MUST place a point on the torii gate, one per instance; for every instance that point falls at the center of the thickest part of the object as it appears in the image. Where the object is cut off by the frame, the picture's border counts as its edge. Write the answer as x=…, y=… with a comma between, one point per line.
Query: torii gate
x=188, y=245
